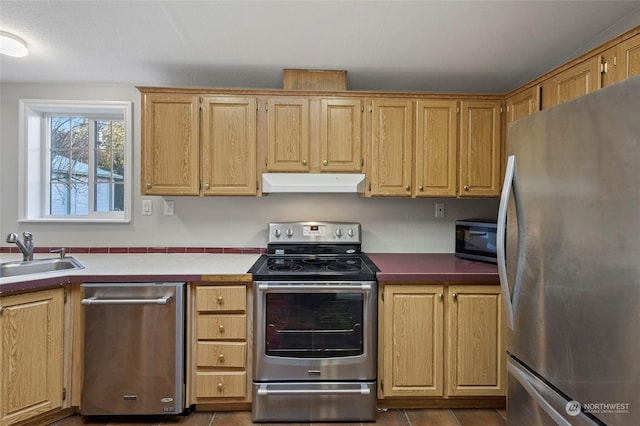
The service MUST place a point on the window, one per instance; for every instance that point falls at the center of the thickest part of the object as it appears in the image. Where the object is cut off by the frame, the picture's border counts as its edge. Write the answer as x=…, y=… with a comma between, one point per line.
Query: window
x=75, y=161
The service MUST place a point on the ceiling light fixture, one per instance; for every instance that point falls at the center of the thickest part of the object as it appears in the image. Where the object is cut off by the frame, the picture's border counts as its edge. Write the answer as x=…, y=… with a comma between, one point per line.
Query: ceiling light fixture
x=12, y=45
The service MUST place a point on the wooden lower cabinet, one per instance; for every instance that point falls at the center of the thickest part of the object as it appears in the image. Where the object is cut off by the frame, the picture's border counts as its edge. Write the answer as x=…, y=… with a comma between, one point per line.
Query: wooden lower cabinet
x=440, y=340
x=31, y=353
x=221, y=351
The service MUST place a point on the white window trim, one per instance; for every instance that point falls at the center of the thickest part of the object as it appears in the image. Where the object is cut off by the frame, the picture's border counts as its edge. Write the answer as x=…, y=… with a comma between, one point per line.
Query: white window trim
x=32, y=156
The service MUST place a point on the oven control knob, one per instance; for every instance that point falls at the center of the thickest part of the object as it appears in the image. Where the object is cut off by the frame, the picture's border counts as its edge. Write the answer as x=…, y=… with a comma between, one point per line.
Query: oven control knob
x=339, y=232
x=277, y=233
x=289, y=232
x=350, y=232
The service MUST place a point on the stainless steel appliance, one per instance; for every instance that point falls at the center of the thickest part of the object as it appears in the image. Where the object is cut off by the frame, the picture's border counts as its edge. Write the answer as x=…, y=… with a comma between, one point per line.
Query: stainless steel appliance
x=315, y=333
x=571, y=271
x=476, y=239
x=133, y=348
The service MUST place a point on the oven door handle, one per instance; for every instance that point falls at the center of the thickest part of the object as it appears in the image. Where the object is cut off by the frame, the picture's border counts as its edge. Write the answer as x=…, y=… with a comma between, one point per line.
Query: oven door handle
x=263, y=390
x=365, y=286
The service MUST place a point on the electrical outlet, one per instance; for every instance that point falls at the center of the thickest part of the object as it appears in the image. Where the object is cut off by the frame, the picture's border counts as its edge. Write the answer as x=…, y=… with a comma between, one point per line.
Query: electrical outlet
x=439, y=210
x=147, y=207
x=169, y=208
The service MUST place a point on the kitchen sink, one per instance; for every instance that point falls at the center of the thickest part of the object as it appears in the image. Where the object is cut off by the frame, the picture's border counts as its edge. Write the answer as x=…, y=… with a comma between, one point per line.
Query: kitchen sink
x=12, y=269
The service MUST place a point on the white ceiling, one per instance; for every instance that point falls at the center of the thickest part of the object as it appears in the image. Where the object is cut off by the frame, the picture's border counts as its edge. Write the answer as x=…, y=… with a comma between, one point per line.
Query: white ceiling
x=452, y=46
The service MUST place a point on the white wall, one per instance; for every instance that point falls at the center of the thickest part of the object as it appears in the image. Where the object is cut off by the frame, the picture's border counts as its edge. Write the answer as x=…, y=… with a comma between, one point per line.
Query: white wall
x=389, y=224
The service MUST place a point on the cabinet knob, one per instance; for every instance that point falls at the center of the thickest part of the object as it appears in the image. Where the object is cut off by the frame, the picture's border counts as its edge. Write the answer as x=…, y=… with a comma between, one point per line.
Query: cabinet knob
x=147, y=185
x=304, y=162
x=207, y=186
x=466, y=187
x=221, y=357
x=441, y=296
x=421, y=188
x=408, y=187
x=220, y=300
x=325, y=162
x=221, y=328
x=220, y=386
x=455, y=296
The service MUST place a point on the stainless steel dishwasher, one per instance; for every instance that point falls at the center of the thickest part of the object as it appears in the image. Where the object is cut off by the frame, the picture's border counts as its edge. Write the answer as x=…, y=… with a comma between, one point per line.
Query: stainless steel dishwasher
x=133, y=348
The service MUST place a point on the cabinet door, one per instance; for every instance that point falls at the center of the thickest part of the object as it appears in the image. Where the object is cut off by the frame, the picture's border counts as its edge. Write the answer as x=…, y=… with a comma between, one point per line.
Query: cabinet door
x=480, y=153
x=609, y=67
x=391, y=146
x=523, y=104
x=32, y=354
x=629, y=58
x=170, y=147
x=476, y=350
x=229, y=146
x=412, y=340
x=436, y=148
x=576, y=81
x=341, y=135
x=288, y=134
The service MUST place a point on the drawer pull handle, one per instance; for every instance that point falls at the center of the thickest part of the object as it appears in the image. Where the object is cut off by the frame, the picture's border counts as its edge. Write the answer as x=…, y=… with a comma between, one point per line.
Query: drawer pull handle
x=221, y=328
x=220, y=300
x=220, y=386
x=221, y=357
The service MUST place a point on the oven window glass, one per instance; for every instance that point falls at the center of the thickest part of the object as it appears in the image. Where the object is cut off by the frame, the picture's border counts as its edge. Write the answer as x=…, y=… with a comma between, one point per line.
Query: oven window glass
x=314, y=325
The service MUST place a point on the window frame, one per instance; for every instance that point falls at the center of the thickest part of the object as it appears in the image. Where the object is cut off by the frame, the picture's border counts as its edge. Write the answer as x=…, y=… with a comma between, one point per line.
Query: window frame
x=34, y=154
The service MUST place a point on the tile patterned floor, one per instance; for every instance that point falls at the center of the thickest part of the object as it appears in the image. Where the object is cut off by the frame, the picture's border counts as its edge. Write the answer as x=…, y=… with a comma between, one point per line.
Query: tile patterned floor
x=417, y=417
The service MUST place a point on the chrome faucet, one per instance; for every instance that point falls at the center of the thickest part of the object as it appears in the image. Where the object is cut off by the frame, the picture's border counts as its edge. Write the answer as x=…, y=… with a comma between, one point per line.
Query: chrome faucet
x=26, y=248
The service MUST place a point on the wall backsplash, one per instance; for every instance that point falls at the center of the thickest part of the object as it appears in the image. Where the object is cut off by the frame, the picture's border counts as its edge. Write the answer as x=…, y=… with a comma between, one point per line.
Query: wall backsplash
x=388, y=224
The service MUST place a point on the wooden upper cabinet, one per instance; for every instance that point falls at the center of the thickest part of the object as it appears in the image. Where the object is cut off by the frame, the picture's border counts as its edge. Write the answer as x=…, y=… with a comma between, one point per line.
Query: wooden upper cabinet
x=341, y=135
x=288, y=134
x=476, y=348
x=576, y=81
x=523, y=104
x=609, y=67
x=228, y=145
x=436, y=148
x=629, y=58
x=391, y=146
x=480, y=149
x=170, y=147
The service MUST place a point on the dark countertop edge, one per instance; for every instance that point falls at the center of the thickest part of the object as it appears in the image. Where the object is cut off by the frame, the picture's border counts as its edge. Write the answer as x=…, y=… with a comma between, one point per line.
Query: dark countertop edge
x=419, y=278
x=59, y=281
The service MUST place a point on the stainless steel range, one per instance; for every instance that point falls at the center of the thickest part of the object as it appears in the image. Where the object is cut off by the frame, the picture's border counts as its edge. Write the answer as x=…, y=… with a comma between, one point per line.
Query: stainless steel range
x=315, y=332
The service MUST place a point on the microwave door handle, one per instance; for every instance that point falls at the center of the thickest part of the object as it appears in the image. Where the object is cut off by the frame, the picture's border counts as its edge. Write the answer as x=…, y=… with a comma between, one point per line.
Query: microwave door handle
x=510, y=186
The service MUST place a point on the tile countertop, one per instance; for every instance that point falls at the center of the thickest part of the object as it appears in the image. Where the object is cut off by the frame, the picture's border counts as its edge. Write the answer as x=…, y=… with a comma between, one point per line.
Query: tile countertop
x=131, y=267
x=432, y=267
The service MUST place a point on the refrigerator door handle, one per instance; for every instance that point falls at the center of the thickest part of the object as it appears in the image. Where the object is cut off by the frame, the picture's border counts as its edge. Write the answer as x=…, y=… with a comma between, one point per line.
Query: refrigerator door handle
x=510, y=185
x=546, y=398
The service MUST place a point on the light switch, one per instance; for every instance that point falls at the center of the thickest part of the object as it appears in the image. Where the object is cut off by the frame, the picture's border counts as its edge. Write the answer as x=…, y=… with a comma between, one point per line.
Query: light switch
x=147, y=207
x=169, y=208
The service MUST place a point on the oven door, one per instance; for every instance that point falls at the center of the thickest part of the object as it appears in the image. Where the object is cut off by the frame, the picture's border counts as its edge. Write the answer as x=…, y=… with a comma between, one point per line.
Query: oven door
x=315, y=331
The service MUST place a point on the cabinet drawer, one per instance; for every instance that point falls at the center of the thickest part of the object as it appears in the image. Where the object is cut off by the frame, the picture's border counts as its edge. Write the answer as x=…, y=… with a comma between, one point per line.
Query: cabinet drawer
x=222, y=327
x=221, y=385
x=221, y=298
x=227, y=354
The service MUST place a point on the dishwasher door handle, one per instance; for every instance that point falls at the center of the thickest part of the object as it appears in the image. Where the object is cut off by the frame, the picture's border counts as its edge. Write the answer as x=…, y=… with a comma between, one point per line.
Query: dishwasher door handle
x=263, y=390
x=95, y=301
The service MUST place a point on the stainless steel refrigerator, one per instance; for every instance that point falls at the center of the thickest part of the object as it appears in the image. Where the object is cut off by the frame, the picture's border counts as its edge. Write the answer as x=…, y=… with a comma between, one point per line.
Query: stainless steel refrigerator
x=570, y=263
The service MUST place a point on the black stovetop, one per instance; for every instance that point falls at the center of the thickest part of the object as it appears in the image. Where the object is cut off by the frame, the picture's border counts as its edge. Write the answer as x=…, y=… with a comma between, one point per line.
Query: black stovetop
x=349, y=267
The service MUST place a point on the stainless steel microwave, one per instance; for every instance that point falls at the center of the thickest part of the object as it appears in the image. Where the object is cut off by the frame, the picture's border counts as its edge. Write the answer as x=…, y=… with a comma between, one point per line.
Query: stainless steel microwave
x=476, y=239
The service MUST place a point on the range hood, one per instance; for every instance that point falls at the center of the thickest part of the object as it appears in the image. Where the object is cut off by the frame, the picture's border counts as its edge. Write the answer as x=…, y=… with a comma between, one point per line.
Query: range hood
x=312, y=182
